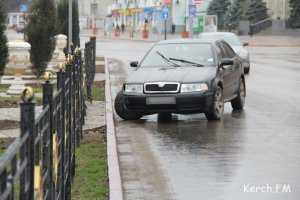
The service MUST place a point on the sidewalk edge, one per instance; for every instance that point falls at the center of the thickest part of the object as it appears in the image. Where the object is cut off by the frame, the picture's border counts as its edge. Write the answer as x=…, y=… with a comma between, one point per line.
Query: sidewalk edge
x=114, y=175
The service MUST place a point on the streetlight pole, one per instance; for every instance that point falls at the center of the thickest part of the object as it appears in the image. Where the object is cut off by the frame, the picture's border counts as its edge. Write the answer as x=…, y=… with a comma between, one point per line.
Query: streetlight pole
x=70, y=25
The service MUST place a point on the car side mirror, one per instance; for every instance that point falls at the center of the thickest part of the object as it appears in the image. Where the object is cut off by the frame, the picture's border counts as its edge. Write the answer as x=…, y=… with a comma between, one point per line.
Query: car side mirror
x=134, y=64
x=245, y=44
x=226, y=62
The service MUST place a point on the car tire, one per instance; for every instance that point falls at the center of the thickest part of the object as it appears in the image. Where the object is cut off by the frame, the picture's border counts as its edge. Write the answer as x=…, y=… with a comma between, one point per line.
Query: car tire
x=163, y=117
x=239, y=102
x=123, y=111
x=247, y=70
x=217, y=109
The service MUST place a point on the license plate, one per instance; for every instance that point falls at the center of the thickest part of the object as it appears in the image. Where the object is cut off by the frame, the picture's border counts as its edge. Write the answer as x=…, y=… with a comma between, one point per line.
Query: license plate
x=160, y=100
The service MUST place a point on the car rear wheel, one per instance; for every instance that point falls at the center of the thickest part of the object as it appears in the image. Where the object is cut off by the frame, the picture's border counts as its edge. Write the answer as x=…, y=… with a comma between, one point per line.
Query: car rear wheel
x=217, y=109
x=247, y=70
x=239, y=102
x=123, y=111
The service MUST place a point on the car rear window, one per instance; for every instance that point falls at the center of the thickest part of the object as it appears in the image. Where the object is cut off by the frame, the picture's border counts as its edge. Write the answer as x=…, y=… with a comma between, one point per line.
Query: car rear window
x=230, y=39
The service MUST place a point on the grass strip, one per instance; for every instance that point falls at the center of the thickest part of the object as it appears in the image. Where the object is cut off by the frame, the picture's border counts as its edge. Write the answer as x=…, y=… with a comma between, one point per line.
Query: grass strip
x=91, y=180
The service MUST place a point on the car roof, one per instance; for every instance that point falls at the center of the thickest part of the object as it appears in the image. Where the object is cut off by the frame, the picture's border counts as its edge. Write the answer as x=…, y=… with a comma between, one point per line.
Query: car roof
x=189, y=40
x=218, y=34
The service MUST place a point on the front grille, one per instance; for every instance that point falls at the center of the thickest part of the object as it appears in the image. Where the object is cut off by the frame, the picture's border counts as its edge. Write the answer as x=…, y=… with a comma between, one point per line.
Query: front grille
x=161, y=87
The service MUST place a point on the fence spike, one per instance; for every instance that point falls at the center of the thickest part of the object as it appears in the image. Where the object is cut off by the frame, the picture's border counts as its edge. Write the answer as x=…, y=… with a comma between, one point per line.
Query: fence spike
x=27, y=95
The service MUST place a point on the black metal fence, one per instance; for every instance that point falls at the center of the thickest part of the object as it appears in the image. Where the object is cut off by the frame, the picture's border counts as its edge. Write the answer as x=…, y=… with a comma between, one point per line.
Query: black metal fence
x=40, y=164
x=260, y=26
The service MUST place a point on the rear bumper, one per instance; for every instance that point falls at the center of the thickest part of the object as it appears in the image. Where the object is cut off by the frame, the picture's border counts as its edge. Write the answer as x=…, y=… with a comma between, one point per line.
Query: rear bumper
x=246, y=63
x=185, y=103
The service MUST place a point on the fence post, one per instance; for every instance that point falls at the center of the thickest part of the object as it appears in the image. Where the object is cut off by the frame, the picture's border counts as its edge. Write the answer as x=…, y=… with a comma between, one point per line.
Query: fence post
x=73, y=110
x=80, y=92
x=27, y=127
x=77, y=97
x=48, y=100
x=93, y=44
x=61, y=85
x=70, y=127
x=88, y=70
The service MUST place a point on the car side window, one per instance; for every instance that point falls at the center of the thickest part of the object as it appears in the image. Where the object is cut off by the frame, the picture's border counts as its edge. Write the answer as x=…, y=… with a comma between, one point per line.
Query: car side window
x=218, y=51
x=228, y=50
x=221, y=50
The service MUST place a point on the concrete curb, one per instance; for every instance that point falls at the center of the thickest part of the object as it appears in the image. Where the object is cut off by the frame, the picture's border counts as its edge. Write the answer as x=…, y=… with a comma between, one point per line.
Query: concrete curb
x=272, y=45
x=114, y=175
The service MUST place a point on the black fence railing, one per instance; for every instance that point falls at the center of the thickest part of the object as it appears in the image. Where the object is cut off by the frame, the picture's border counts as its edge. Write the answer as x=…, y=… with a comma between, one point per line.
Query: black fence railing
x=40, y=164
x=260, y=26
x=90, y=65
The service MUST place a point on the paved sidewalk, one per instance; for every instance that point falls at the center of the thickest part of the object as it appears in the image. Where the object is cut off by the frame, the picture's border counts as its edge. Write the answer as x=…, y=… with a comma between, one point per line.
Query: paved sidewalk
x=95, y=115
x=272, y=41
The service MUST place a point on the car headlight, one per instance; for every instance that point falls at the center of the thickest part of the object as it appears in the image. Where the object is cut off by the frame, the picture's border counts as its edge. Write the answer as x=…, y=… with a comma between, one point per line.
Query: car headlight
x=134, y=88
x=194, y=87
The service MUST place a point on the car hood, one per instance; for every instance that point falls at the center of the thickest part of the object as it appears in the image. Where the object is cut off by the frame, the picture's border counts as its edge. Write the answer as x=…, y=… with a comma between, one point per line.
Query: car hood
x=172, y=74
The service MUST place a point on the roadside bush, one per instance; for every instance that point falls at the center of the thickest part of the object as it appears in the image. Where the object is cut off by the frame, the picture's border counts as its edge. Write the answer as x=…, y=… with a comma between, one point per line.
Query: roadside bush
x=257, y=11
x=63, y=22
x=219, y=8
x=3, y=39
x=294, y=20
x=40, y=33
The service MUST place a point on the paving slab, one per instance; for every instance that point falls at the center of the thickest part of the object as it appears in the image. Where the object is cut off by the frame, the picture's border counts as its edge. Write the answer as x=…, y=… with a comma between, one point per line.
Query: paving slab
x=95, y=115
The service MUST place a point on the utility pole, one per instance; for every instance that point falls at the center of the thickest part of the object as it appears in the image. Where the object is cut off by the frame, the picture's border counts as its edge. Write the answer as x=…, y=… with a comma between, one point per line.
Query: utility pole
x=70, y=25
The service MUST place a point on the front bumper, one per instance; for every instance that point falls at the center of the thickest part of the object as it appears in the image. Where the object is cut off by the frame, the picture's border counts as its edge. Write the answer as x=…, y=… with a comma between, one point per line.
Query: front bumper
x=185, y=103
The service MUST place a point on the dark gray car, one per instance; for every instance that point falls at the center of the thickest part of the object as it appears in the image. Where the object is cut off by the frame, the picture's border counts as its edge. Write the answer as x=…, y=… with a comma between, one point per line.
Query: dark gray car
x=184, y=77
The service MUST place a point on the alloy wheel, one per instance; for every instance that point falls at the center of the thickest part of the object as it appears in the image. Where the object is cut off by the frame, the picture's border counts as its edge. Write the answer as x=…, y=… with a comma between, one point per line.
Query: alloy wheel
x=219, y=101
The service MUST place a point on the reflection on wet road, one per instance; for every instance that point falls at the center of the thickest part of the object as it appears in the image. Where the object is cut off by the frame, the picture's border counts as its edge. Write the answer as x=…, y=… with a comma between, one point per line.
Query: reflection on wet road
x=189, y=158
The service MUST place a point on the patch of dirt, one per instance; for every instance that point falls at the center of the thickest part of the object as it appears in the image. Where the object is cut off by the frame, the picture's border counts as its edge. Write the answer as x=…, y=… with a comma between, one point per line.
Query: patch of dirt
x=34, y=85
x=9, y=104
x=95, y=134
x=9, y=124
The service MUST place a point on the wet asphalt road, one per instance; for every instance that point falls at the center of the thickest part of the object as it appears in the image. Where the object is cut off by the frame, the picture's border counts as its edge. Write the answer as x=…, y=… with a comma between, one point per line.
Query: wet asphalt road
x=189, y=158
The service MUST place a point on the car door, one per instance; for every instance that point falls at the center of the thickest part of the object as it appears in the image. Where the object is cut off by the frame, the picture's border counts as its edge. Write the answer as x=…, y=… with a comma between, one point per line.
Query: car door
x=235, y=69
x=226, y=71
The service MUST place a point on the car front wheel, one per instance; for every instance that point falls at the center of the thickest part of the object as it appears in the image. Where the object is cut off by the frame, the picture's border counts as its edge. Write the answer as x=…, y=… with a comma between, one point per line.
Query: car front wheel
x=123, y=111
x=217, y=109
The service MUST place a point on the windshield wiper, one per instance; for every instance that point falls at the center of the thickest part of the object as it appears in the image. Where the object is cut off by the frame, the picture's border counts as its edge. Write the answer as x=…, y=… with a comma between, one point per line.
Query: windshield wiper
x=186, y=61
x=167, y=59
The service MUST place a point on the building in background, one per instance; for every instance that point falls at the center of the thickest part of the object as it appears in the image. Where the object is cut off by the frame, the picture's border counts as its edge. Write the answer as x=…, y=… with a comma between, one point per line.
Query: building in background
x=135, y=13
x=279, y=9
x=16, y=12
x=92, y=13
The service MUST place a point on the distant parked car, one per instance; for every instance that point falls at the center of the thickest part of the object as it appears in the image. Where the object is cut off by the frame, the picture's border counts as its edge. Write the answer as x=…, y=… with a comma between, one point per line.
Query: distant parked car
x=234, y=41
x=184, y=76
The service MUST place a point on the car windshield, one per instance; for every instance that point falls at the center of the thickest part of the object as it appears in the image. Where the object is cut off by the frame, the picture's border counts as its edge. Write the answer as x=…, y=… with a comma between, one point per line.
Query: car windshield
x=179, y=55
x=232, y=40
